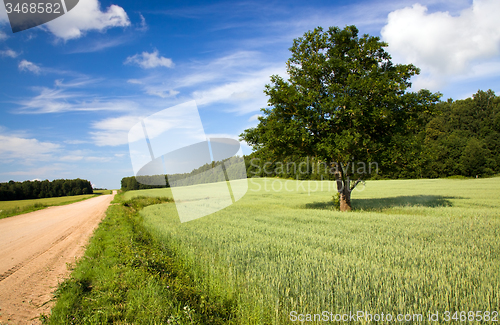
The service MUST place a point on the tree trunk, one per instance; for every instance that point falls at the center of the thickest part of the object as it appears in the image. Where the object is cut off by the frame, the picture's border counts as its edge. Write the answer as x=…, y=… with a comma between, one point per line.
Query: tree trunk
x=344, y=189
x=345, y=199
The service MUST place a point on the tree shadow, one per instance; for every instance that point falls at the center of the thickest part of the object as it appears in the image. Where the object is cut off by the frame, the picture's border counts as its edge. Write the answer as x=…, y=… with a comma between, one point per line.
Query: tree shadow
x=377, y=204
x=430, y=201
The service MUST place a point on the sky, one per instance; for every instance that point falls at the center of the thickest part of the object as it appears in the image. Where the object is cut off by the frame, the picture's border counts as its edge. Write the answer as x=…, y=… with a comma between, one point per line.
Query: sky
x=73, y=88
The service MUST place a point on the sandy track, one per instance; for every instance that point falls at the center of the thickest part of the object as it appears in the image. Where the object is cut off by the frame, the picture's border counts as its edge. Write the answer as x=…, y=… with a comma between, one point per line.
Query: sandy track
x=34, y=250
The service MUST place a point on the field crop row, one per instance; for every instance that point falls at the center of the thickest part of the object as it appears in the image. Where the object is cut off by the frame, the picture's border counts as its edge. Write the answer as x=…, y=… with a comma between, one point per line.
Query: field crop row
x=411, y=246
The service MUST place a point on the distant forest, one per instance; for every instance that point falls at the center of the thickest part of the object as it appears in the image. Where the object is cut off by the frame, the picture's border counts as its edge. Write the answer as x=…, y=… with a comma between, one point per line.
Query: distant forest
x=461, y=138
x=43, y=189
x=208, y=173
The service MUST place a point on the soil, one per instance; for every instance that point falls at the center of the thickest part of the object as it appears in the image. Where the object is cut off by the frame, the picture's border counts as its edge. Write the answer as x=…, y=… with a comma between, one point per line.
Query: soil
x=36, y=250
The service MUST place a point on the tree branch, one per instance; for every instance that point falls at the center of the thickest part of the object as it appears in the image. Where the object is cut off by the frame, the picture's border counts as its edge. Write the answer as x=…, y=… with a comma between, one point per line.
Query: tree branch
x=355, y=184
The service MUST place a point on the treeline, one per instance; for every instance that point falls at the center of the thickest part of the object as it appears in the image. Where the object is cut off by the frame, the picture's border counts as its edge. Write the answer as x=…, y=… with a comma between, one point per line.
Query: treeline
x=208, y=173
x=461, y=138
x=44, y=189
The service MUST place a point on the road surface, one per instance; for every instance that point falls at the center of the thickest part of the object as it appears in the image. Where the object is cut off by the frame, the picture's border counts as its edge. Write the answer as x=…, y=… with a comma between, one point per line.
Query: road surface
x=34, y=250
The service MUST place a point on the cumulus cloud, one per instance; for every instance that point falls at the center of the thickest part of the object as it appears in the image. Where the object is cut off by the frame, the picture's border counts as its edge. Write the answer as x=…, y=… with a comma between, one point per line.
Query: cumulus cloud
x=149, y=60
x=9, y=53
x=442, y=44
x=87, y=16
x=16, y=147
x=25, y=65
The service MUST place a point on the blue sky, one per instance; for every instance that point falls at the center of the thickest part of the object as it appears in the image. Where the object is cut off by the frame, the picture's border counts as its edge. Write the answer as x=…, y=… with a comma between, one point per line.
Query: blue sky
x=71, y=89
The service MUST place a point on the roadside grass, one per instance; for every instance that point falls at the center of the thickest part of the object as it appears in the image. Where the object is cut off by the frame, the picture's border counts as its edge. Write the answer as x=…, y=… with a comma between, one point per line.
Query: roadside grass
x=409, y=247
x=16, y=207
x=128, y=277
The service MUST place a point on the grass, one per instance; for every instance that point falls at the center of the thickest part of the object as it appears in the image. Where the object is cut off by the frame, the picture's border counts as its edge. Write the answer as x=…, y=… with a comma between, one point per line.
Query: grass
x=409, y=247
x=16, y=207
x=127, y=277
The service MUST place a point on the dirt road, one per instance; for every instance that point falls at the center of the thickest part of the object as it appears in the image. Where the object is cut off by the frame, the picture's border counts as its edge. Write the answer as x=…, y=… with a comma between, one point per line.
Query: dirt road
x=34, y=250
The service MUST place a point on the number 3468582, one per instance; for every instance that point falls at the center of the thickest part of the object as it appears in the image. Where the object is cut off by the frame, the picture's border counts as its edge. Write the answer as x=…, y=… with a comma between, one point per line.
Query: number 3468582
x=34, y=8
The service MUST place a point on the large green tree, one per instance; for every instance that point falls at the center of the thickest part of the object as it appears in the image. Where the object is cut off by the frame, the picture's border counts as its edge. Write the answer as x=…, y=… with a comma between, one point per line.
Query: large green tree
x=344, y=103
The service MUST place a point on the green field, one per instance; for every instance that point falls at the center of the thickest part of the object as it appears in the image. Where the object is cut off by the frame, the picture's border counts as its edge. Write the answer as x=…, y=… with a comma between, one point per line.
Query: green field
x=410, y=247
x=11, y=208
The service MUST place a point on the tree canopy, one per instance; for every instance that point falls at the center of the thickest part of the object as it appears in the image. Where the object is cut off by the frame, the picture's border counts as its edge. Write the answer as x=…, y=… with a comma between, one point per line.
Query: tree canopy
x=43, y=189
x=344, y=101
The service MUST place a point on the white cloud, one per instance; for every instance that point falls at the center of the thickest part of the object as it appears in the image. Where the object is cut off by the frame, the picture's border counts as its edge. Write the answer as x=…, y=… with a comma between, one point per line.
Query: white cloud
x=97, y=159
x=87, y=16
x=75, y=83
x=243, y=95
x=441, y=44
x=149, y=60
x=3, y=36
x=235, y=81
x=25, y=65
x=254, y=117
x=16, y=147
x=76, y=141
x=143, y=26
x=71, y=158
x=99, y=44
x=151, y=86
x=135, y=81
x=56, y=100
x=53, y=169
x=161, y=92
x=113, y=131
x=9, y=53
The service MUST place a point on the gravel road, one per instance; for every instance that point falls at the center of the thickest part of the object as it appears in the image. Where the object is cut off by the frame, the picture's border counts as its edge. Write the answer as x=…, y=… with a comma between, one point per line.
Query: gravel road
x=34, y=250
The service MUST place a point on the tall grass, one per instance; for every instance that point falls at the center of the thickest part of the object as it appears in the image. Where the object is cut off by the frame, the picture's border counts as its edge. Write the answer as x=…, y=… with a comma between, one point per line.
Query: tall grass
x=410, y=246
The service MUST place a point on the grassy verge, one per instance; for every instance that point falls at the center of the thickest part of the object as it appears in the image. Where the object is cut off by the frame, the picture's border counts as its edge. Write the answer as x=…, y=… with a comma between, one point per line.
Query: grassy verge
x=127, y=277
x=16, y=207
